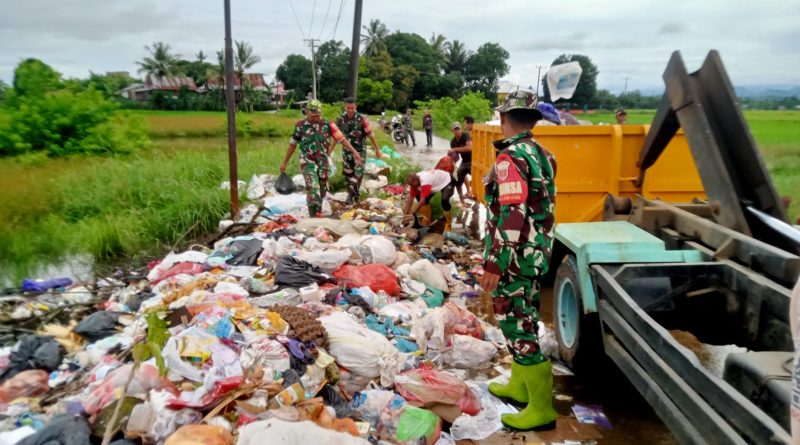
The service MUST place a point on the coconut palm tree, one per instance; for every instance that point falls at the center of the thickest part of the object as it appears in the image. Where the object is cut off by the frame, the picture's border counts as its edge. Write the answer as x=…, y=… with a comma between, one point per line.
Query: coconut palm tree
x=374, y=40
x=244, y=59
x=456, y=56
x=201, y=56
x=439, y=43
x=161, y=62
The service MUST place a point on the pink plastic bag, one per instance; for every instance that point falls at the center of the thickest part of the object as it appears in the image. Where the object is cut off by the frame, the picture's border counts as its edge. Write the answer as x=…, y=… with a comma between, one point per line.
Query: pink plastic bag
x=180, y=268
x=377, y=276
x=145, y=379
x=426, y=387
x=459, y=320
x=25, y=384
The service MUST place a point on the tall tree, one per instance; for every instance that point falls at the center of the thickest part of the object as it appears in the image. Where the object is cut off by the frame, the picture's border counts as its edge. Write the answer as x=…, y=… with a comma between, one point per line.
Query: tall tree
x=413, y=50
x=586, y=90
x=243, y=60
x=376, y=67
x=34, y=78
x=295, y=73
x=201, y=56
x=161, y=61
x=456, y=56
x=485, y=67
x=439, y=44
x=333, y=62
x=375, y=38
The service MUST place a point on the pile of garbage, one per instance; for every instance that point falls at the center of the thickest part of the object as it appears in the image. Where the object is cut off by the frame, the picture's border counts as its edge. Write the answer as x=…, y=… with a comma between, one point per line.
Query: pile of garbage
x=347, y=329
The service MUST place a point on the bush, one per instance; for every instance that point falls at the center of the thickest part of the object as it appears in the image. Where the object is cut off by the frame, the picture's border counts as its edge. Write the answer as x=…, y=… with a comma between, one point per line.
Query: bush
x=445, y=111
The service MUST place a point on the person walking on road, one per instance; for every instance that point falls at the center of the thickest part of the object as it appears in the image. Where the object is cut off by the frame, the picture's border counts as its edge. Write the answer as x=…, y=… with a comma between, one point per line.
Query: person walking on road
x=408, y=125
x=422, y=187
x=313, y=134
x=427, y=124
x=356, y=129
x=520, y=196
x=461, y=146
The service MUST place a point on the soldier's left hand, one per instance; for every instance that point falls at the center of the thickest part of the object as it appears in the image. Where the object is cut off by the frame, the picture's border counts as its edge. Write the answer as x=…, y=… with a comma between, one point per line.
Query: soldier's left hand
x=489, y=281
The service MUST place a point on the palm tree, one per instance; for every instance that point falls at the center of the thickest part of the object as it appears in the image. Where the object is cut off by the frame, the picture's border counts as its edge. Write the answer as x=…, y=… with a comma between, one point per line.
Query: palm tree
x=244, y=59
x=161, y=62
x=456, y=56
x=201, y=56
x=374, y=40
x=439, y=43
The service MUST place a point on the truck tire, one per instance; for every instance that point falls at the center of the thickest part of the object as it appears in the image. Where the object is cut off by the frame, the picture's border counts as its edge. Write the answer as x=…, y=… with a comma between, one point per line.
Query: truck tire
x=577, y=334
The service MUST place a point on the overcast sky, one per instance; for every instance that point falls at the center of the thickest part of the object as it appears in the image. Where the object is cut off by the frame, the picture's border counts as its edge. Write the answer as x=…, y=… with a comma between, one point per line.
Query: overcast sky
x=758, y=40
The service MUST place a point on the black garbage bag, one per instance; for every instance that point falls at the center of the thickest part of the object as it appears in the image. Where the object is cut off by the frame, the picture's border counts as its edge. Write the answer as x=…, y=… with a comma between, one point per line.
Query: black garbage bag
x=33, y=352
x=245, y=252
x=292, y=376
x=297, y=273
x=331, y=396
x=63, y=429
x=97, y=326
x=284, y=185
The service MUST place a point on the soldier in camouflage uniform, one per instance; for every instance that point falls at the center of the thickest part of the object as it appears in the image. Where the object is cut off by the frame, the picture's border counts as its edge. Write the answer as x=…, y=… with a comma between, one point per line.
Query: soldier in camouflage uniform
x=356, y=129
x=408, y=125
x=313, y=134
x=520, y=195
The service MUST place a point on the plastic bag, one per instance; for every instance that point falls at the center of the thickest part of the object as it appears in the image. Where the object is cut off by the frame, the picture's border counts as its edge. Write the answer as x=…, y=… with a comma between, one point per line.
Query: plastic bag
x=103, y=393
x=562, y=80
x=377, y=277
x=284, y=184
x=240, y=251
x=429, y=388
x=97, y=326
x=255, y=188
x=281, y=432
x=285, y=297
x=63, y=429
x=339, y=227
x=480, y=426
x=428, y=273
x=361, y=350
x=327, y=260
x=331, y=167
x=376, y=250
x=470, y=353
x=33, y=352
x=266, y=353
x=369, y=404
x=200, y=435
x=29, y=383
x=417, y=423
x=296, y=273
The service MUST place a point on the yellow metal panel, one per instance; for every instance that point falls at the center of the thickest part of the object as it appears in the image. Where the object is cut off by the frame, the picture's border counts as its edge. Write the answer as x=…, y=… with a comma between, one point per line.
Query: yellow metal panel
x=596, y=160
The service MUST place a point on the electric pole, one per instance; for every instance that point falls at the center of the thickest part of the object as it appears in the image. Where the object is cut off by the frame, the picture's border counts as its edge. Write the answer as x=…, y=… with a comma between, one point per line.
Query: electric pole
x=231, y=102
x=539, y=78
x=625, y=91
x=354, y=52
x=311, y=43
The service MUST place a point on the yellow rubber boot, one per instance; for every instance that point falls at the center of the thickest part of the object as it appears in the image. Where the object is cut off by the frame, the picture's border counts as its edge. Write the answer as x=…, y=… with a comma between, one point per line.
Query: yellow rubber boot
x=515, y=389
x=447, y=219
x=539, y=413
x=425, y=213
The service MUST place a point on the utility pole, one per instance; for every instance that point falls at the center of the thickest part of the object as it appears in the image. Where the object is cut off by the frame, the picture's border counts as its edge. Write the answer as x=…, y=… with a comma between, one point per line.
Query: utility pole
x=539, y=78
x=231, y=102
x=625, y=91
x=354, y=52
x=311, y=43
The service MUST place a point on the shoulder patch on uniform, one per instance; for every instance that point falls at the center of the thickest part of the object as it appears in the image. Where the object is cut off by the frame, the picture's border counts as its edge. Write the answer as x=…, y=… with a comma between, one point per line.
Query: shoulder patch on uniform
x=512, y=188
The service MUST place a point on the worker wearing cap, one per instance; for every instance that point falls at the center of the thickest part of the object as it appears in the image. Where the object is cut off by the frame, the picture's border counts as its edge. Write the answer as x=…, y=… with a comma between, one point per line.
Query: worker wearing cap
x=356, y=129
x=313, y=134
x=520, y=195
x=461, y=146
x=422, y=187
x=621, y=116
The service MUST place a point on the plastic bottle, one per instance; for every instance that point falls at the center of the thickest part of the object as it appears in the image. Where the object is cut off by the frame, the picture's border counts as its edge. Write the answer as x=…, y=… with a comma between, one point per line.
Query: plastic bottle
x=291, y=395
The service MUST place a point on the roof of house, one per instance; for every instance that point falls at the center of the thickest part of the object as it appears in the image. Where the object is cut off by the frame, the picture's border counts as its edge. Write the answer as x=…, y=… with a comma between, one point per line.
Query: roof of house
x=256, y=81
x=169, y=82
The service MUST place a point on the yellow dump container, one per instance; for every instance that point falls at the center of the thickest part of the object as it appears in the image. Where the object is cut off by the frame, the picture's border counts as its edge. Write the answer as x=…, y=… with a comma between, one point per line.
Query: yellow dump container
x=595, y=160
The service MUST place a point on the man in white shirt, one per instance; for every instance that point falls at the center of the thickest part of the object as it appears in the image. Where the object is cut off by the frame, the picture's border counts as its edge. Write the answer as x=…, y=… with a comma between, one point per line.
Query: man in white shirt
x=422, y=187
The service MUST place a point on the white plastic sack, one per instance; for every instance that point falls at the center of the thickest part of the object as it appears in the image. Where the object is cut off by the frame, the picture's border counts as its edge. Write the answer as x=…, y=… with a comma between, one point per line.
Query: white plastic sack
x=223, y=356
x=407, y=312
x=413, y=288
x=548, y=342
x=294, y=204
x=288, y=296
x=339, y=227
x=374, y=184
x=480, y=426
x=468, y=352
x=563, y=79
x=281, y=432
x=172, y=258
x=267, y=354
x=370, y=403
x=429, y=331
x=255, y=188
x=299, y=183
x=375, y=249
x=360, y=350
x=327, y=260
x=428, y=273
x=228, y=288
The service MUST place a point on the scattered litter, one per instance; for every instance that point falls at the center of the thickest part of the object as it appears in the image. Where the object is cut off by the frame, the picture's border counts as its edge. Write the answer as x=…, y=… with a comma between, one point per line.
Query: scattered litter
x=591, y=414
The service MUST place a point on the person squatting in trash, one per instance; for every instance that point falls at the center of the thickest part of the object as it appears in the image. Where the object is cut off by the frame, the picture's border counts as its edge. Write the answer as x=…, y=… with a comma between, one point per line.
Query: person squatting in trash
x=520, y=195
x=422, y=187
x=313, y=134
x=355, y=127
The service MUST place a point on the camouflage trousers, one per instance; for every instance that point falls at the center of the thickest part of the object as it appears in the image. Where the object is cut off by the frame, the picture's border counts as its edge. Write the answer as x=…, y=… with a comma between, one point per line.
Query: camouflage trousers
x=315, y=175
x=353, y=171
x=516, y=307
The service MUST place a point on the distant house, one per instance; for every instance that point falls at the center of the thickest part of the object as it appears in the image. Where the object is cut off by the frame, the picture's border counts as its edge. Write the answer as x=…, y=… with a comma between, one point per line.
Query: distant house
x=276, y=92
x=172, y=84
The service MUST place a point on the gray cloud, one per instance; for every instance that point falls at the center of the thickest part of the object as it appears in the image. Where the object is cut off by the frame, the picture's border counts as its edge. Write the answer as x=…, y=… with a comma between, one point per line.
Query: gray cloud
x=672, y=28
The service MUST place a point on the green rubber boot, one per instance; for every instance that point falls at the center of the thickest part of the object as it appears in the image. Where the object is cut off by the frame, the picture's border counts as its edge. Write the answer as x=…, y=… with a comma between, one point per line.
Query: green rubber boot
x=515, y=389
x=539, y=413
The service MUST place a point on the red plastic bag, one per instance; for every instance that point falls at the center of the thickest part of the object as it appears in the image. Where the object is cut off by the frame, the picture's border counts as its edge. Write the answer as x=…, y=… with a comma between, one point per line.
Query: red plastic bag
x=427, y=388
x=377, y=276
x=446, y=163
x=29, y=383
x=459, y=320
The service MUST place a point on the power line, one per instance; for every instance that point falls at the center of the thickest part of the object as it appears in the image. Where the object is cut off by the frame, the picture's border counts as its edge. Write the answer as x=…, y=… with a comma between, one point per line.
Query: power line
x=300, y=27
x=325, y=22
x=313, y=13
x=336, y=26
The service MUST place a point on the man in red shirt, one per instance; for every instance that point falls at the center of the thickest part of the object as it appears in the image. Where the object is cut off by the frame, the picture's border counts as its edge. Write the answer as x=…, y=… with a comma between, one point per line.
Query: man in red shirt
x=422, y=187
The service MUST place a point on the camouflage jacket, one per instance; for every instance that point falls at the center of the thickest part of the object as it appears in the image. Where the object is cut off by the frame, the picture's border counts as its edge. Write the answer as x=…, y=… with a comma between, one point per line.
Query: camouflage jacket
x=314, y=139
x=355, y=130
x=408, y=122
x=520, y=195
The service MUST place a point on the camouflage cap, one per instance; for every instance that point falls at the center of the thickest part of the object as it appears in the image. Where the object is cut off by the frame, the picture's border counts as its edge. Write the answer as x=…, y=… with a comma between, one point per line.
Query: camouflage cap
x=520, y=99
x=314, y=105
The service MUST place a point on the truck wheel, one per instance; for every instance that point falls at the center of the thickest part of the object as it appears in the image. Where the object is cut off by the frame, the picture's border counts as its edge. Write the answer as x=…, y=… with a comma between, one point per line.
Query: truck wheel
x=574, y=330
